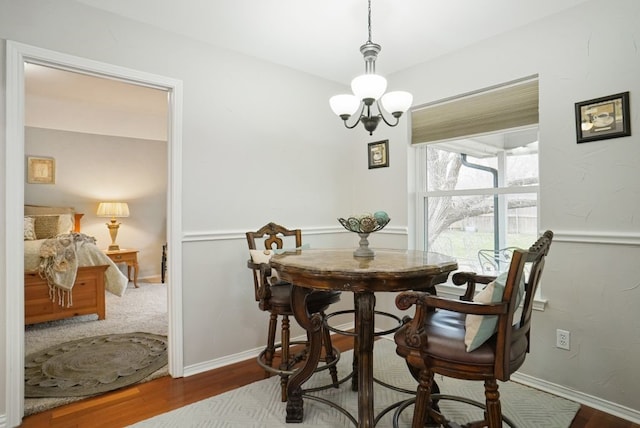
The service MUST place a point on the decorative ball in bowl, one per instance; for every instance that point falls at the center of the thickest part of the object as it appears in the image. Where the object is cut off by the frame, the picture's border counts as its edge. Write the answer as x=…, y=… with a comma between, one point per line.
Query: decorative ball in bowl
x=366, y=223
x=363, y=225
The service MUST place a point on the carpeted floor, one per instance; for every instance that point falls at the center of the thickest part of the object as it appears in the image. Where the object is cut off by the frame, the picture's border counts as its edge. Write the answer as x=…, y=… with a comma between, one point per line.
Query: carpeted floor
x=258, y=404
x=141, y=309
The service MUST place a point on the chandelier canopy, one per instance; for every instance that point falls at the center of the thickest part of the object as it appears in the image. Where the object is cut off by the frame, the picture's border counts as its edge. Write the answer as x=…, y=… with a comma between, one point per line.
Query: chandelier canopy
x=368, y=89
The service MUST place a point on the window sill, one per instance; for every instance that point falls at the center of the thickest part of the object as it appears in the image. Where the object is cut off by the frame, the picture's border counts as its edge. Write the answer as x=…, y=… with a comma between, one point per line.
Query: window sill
x=454, y=292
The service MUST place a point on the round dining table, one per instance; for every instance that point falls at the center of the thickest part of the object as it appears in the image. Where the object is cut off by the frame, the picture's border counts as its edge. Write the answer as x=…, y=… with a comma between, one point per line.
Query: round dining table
x=389, y=270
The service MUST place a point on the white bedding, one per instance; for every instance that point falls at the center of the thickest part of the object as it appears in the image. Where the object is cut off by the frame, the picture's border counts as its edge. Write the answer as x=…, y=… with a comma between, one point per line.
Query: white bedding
x=89, y=255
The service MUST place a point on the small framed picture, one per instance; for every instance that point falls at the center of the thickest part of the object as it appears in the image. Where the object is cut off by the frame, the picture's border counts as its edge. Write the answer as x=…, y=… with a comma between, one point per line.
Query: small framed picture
x=602, y=118
x=41, y=170
x=379, y=154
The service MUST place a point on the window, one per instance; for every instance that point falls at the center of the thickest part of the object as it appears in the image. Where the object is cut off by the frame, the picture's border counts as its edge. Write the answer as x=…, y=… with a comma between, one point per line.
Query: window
x=480, y=195
x=477, y=191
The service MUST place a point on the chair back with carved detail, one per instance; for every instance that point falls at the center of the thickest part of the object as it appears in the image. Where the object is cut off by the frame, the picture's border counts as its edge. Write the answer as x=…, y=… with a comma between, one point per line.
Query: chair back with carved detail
x=274, y=296
x=273, y=237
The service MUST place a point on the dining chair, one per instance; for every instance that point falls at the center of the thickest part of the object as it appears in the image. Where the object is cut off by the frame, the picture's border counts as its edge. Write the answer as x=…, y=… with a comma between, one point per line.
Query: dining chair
x=274, y=296
x=482, y=337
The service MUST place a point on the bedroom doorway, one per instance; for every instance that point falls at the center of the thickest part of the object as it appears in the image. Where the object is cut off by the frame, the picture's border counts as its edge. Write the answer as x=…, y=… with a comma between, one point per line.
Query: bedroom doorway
x=18, y=56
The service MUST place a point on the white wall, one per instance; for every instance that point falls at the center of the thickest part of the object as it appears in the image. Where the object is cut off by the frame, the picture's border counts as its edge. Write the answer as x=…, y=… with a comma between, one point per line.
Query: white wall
x=588, y=192
x=93, y=168
x=260, y=144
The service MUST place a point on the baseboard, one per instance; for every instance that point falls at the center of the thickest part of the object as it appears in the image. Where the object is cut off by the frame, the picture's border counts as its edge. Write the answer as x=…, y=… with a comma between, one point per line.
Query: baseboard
x=579, y=397
x=239, y=357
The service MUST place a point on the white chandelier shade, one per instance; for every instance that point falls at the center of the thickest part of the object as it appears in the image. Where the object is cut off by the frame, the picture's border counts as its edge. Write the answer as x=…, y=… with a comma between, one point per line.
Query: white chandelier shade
x=397, y=102
x=344, y=104
x=369, y=86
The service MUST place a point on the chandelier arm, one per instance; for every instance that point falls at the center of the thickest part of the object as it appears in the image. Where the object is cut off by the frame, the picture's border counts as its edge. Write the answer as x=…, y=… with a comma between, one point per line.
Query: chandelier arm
x=384, y=118
x=357, y=121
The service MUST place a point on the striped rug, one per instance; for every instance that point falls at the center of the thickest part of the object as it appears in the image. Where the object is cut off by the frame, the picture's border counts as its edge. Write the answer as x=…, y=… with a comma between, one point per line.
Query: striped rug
x=258, y=404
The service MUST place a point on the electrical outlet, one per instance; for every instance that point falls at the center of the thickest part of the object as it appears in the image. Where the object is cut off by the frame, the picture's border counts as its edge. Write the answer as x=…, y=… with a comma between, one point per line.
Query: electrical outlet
x=563, y=339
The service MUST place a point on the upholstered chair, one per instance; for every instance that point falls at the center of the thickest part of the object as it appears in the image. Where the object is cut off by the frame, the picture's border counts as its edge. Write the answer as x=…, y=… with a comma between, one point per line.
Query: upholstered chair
x=482, y=337
x=274, y=296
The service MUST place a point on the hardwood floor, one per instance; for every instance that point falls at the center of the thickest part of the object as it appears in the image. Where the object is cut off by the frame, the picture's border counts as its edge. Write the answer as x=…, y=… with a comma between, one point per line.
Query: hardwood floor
x=139, y=402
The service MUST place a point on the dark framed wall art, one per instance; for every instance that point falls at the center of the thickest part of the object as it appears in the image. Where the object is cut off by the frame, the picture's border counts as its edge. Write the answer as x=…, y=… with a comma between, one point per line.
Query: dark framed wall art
x=603, y=118
x=379, y=154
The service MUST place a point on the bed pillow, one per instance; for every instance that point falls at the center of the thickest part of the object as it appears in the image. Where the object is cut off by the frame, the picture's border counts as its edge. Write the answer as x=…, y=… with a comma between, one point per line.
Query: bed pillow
x=479, y=328
x=263, y=256
x=46, y=226
x=65, y=223
x=29, y=229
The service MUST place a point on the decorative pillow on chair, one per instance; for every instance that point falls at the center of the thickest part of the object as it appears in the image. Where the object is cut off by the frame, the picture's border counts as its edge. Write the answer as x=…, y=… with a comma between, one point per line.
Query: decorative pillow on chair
x=263, y=256
x=479, y=328
x=29, y=229
x=284, y=250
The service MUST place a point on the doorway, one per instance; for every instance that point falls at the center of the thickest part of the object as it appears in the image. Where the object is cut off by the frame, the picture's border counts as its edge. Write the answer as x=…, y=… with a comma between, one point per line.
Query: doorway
x=17, y=56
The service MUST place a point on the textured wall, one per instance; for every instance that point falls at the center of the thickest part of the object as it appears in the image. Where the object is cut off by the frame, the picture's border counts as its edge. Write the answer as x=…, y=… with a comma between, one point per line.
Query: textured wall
x=588, y=192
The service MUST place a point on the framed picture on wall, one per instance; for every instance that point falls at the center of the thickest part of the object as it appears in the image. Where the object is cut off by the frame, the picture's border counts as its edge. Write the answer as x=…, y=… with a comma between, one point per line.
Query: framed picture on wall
x=379, y=154
x=41, y=170
x=603, y=118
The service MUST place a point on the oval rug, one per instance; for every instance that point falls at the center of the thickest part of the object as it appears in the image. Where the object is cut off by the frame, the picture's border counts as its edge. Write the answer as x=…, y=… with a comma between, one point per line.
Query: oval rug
x=94, y=365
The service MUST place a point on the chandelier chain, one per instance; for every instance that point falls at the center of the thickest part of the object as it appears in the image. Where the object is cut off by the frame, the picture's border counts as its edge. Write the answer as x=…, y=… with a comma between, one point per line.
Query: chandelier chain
x=369, y=21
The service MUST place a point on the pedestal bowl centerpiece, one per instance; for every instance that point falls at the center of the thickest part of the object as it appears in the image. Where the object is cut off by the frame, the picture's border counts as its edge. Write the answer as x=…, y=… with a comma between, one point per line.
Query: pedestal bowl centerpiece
x=363, y=225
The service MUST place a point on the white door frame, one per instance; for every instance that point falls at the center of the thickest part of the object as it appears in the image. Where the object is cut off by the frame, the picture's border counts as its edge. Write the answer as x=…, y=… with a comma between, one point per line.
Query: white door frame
x=16, y=56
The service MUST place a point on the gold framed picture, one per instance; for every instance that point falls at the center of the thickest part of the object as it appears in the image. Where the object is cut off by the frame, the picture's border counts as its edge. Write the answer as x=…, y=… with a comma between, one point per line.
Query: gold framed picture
x=379, y=154
x=41, y=170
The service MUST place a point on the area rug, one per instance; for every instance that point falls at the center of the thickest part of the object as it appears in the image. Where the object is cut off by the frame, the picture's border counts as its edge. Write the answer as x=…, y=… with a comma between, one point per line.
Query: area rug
x=140, y=309
x=94, y=365
x=258, y=404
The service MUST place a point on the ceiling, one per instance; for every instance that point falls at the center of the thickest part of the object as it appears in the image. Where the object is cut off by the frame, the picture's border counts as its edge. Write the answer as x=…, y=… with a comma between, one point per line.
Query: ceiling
x=323, y=37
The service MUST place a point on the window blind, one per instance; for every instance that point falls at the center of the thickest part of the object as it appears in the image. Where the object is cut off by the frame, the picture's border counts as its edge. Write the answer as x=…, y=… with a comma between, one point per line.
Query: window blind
x=504, y=107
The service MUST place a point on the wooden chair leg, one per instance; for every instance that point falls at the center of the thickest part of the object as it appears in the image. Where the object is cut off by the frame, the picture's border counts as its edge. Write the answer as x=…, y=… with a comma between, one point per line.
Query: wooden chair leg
x=271, y=340
x=493, y=413
x=423, y=398
x=284, y=363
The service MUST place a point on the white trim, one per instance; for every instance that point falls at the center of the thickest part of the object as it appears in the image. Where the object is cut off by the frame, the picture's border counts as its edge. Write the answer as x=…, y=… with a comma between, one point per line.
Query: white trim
x=486, y=191
x=14, y=245
x=224, y=235
x=612, y=238
x=579, y=397
x=17, y=55
x=455, y=292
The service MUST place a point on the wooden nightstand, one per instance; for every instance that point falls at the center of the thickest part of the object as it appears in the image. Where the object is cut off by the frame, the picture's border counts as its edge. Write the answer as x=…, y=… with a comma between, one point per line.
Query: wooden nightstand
x=128, y=256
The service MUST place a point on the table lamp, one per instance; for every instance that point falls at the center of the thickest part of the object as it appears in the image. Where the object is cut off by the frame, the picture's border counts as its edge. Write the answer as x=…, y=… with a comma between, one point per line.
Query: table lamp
x=113, y=210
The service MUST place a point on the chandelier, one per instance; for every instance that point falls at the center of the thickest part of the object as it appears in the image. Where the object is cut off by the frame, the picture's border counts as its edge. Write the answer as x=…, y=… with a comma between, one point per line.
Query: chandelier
x=368, y=89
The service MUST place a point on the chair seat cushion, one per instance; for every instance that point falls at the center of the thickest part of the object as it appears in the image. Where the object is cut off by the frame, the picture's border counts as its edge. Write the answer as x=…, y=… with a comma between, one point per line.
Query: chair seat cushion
x=445, y=331
x=317, y=301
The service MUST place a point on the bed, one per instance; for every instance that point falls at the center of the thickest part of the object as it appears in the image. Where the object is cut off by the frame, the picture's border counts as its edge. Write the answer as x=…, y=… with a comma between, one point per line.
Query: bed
x=96, y=273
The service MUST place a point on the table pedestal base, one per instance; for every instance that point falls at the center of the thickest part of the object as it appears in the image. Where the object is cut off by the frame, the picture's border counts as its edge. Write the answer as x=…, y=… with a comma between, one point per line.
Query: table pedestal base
x=362, y=380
